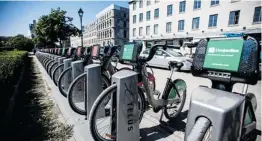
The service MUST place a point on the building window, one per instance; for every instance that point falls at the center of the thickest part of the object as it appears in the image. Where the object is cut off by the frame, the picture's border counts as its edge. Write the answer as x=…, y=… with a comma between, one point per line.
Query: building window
x=257, y=15
x=233, y=17
x=134, y=6
x=214, y=2
x=134, y=19
x=148, y=2
x=182, y=6
x=156, y=13
x=134, y=32
x=181, y=25
x=141, y=4
x=147, y=30
x=156, y=29
x=195, y=23
x=212, y=20
x=140, y=31
x=148, y=15
x=169, y=9
x=124, y=24
x=197, y=4
x=140, y=17
x=168, y=27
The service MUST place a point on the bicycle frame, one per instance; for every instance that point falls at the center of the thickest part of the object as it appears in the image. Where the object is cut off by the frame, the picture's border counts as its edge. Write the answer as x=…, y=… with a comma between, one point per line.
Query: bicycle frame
x=156, y=103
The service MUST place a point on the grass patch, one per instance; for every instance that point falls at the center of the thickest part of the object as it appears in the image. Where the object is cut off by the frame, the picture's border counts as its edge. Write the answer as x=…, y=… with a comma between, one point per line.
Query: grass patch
x=11, y=65
x=36, y=117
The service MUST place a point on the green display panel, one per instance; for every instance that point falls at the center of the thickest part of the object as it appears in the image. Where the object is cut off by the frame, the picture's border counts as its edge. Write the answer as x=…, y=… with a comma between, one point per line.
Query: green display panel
x=223, y=54
x=63, y=50
x=128, y=52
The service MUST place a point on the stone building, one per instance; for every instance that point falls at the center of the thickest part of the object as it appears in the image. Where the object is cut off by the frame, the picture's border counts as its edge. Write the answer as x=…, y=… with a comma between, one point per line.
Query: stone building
x=111, y=27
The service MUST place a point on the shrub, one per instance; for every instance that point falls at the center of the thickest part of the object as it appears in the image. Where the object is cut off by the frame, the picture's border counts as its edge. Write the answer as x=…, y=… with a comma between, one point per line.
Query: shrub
x=11, y=66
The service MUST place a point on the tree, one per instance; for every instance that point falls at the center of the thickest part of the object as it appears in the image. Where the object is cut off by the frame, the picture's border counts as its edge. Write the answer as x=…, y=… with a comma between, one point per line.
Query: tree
x=3, y=40
x=55, y=27
x=20, y=42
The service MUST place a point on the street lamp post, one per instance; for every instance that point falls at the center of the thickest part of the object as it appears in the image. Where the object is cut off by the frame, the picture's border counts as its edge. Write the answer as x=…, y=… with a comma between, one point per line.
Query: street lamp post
x=80, y=13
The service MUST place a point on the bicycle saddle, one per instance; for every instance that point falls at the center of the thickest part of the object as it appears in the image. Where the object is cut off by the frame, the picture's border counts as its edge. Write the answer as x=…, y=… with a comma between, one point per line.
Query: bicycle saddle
x=175, y=64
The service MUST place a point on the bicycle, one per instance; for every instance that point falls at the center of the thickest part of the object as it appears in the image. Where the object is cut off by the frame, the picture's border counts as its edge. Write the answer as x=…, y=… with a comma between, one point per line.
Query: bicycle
x=173, y=97
x=107, y=70
x=217, y=113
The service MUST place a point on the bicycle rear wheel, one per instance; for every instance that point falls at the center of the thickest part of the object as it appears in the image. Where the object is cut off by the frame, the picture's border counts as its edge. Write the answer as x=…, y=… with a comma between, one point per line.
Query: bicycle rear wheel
x=102, y=115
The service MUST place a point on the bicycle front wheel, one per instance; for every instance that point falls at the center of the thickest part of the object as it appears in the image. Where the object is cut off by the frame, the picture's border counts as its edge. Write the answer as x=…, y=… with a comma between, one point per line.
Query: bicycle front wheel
x=102, y=114
x=64, y=81
x=76, y=97
x=175, y=90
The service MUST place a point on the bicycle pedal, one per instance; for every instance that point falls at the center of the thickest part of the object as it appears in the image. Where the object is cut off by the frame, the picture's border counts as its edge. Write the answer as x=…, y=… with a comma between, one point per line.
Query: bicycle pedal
x=110, y=136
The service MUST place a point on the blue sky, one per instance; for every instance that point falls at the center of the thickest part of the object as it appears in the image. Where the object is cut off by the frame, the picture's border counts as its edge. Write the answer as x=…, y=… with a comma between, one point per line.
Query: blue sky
x=15, y=17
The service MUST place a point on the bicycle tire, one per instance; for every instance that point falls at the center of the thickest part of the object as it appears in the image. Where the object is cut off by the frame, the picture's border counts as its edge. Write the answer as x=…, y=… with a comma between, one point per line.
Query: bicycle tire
x=70, y=96
x=201, y=131
x=173, y=116
x=59, y=84
x=49, y=66
x=44, y=63
x=95, y=107
x=51, y=69
x=54, y=72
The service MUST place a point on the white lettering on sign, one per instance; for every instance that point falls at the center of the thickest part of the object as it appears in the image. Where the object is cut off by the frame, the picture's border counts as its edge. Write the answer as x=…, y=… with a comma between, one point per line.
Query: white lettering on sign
x=213, y=50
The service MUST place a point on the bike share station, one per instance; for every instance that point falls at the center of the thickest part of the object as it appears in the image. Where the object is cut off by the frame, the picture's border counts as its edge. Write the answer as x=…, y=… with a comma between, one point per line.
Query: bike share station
x=225, y=61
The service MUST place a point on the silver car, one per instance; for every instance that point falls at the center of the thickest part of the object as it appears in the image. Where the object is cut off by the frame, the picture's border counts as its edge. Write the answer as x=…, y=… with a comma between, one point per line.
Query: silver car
x=163, y=57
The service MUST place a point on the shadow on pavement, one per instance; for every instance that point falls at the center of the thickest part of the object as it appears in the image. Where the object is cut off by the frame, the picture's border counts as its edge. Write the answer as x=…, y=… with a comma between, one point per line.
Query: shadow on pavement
x=164, y=129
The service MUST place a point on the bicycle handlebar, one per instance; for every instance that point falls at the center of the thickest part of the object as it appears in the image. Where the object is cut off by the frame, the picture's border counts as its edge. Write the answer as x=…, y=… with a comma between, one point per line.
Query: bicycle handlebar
x=153, y=50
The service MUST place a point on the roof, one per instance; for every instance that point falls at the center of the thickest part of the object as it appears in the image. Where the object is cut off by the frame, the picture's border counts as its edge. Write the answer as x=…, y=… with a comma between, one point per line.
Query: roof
x=112, y=6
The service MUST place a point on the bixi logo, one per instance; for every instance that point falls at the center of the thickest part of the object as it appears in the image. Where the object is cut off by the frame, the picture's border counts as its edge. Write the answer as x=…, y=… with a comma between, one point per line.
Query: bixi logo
x=211, y=50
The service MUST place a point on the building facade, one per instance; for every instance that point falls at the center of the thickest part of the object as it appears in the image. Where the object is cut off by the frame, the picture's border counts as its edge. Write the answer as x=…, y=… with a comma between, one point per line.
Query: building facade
x=111, y=27
x=175, y=22
x=89, y=36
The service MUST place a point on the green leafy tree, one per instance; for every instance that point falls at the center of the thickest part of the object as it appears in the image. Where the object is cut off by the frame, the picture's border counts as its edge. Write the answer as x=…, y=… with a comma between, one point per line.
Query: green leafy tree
x=55, y=27
x=20, y=42
x=3, y=41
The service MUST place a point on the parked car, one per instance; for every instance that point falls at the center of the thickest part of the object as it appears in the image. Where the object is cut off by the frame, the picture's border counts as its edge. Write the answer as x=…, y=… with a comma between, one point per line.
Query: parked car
x=163, y=57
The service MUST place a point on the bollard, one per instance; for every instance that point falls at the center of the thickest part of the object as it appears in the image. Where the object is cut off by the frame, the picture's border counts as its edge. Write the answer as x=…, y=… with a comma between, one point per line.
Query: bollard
x=77, y=69
x=127, y=106
x=93, y=85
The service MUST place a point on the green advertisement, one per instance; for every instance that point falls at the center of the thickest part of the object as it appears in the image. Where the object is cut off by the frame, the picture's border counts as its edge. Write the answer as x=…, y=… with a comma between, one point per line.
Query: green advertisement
x=223, y=54
x=128, y=52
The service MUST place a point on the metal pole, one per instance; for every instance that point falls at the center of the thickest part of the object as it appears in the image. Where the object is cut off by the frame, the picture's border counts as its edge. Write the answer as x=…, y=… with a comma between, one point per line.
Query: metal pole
x=82, y=44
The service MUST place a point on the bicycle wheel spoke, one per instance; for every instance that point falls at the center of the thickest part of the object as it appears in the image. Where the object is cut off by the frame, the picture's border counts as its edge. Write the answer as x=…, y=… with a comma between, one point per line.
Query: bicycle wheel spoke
x=103, y=120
